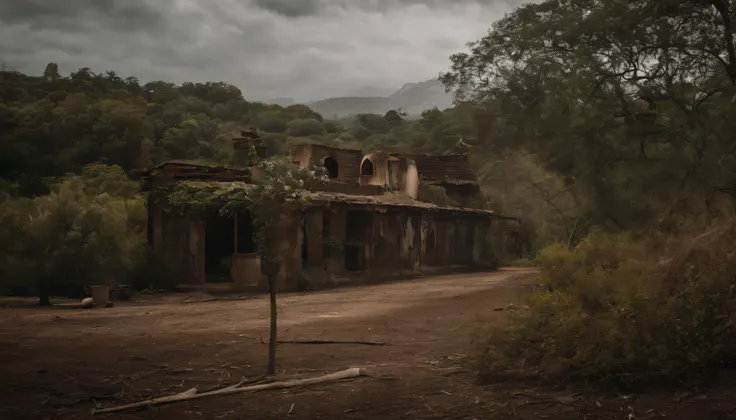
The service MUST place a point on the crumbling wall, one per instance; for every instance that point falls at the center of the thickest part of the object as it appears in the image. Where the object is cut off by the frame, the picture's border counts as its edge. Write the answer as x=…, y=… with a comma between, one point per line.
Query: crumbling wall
x=314, y=227
x=246, y=272
x=348, y=161
x=180, y=243
x=411, y=186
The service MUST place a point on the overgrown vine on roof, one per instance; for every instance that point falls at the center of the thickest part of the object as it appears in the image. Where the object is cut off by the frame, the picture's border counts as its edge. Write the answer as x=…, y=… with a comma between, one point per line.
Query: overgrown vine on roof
x=277, y=186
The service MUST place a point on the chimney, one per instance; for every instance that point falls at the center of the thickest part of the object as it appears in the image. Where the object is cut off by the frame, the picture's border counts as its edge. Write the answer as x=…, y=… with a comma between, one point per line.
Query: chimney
x=248, y=148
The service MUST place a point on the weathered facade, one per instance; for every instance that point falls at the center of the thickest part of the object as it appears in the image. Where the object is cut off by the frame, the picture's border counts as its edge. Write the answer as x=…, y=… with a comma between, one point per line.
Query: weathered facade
x=364, y=221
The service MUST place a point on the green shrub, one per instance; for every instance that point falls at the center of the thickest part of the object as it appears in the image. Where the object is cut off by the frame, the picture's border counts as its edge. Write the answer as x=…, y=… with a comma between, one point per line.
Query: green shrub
x=305, y=128
x=88, y=230
x=617, y=311
x=150, y=273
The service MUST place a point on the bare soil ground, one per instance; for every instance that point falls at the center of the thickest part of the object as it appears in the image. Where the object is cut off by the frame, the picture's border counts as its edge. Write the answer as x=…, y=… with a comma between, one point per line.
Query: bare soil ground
x=61, y=363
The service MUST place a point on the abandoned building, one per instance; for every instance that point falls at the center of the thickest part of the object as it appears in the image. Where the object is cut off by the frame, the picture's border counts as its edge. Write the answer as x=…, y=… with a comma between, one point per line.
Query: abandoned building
x=365, y=220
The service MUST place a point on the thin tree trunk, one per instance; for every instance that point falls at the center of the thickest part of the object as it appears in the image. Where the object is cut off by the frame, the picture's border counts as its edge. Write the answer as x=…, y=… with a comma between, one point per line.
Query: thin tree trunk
x=42, y=287
x=272, y=335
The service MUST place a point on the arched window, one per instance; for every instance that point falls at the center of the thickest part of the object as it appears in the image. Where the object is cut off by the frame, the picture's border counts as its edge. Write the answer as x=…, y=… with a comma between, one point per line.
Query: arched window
x=332, y=167
x=367, y=168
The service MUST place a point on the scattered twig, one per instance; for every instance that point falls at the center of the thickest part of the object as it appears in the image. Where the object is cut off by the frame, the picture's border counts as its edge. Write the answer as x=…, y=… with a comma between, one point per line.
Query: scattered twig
x=291, y=409
x=236, y=389
x=143, y=375
x=172, y=371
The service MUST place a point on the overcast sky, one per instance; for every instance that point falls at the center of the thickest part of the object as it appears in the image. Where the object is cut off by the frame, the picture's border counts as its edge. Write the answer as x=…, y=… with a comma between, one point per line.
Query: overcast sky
x=303, y=49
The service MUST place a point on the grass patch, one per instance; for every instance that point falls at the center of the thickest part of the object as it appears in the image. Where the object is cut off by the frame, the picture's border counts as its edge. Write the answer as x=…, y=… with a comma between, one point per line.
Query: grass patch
x=523, y=262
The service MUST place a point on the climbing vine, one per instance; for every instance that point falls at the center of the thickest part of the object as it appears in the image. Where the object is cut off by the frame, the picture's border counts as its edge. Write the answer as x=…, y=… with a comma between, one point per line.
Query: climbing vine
x=277, y=187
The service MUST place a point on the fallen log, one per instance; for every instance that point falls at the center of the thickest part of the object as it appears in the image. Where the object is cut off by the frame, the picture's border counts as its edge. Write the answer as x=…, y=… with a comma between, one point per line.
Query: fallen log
x=363, y=343
x=235, y=389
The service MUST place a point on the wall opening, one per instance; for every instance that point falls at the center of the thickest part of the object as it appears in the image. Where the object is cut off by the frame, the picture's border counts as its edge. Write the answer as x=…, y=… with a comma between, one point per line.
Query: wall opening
x=353, y=260
x=219, y=246
x=431, y=239
x=357, y=225
x=367, y=168
x=246, y=242
x=332, y=167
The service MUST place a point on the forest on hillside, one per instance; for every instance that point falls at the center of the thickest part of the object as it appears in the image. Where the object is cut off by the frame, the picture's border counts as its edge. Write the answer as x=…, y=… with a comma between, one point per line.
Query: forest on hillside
x=605, y=125
x=53, y=125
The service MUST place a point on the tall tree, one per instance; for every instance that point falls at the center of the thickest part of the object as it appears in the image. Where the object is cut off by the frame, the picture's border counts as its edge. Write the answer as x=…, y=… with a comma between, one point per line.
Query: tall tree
x=629, y=100
x=51, y=73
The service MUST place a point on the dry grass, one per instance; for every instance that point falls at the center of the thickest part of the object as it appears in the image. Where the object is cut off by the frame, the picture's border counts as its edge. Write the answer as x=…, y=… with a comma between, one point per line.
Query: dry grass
x=619, y=311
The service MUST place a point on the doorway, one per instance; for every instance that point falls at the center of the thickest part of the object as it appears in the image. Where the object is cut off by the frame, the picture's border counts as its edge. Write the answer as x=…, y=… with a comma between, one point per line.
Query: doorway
x=219, y=247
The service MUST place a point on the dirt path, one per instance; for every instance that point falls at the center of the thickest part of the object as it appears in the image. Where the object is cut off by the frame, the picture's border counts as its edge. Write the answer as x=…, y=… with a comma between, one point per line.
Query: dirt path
x=61, y=363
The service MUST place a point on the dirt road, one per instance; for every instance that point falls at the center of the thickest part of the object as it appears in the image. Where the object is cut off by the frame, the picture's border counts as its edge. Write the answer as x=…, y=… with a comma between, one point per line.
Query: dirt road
x=60, y=363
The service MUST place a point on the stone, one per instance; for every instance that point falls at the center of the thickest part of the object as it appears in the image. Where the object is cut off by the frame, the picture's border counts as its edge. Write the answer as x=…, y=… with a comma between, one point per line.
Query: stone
x=88, y=303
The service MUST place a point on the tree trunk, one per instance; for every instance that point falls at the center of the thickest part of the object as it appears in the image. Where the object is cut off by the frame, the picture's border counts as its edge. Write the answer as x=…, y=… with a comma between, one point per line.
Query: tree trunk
x=42, y=287
x=272, y=336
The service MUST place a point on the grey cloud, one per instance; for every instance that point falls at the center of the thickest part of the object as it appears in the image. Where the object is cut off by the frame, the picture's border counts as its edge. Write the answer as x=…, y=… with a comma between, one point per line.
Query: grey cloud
x=290, y=8
x=305, y=49
x=303, y=8
x=68, y=14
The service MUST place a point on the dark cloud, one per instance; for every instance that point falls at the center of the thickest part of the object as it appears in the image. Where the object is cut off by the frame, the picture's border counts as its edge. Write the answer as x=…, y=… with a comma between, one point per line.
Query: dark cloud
x=66, y=14
x=290, y=8
x=304, y=49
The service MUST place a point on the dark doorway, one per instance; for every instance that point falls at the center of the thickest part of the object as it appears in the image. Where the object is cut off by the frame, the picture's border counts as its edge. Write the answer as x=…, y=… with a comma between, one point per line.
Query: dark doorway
x=219, y=246
x=353, y=257
x=367, y=168
x=358, y=224
x=332, y=167
x=431, y=239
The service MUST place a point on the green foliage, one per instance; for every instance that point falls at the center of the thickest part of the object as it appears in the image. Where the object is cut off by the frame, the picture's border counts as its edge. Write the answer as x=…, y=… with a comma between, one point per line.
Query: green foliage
x=620, y=311
x=88, y=230
x=277, y=185
x=627, y=101
x=53, y=125
x=306, y=128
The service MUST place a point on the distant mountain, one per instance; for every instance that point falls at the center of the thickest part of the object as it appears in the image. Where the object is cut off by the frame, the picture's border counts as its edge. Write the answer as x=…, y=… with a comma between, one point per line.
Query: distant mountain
x=281, y=101
x=412, y=98
x=370, y=91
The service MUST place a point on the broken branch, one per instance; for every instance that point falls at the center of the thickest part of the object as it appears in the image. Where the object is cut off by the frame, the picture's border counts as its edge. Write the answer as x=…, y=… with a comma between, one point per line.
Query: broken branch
x=236, y=389
x=364, y=343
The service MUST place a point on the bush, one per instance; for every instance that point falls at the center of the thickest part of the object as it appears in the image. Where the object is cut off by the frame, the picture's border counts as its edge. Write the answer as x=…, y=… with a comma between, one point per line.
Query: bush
x=88, y=230
x=149, y=273
x=616, y=311
x=305, y=128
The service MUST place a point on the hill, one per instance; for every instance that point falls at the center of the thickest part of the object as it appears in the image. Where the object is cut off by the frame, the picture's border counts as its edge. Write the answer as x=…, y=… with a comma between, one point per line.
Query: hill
x=412, y=98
